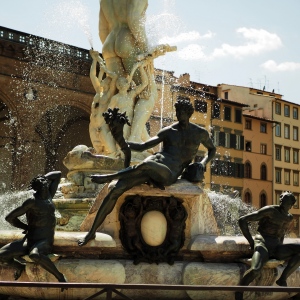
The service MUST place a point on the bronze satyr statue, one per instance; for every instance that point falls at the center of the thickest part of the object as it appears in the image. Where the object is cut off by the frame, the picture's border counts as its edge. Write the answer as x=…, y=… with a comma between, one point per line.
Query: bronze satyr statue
x=273, y=223
x=39, y=230
x=180, y=145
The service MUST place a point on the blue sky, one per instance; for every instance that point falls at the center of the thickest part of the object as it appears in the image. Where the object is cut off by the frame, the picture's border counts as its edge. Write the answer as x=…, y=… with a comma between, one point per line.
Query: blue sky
x=249, y=43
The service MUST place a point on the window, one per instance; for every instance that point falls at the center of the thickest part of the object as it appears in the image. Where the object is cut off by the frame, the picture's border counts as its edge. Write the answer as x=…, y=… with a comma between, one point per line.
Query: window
x=30, y=41
x=217, y=138
x=263, y=148
x=286, y=154
x=295, y=156
x=296, y=205
x=295, y=133
x=296, y=178
x=248, y=124
x=263, y=200
x=227, y=113
x=263, y=172
x=277, y=196
x=277, y=152
x=248, y=172
x=79, y=53
x=286, y=110
x=295, y=113
x=248, y=146
x=238, y=115
x=287, y=177
x=1, y=33
x=278, y=129
x=227, y=139
x=286, y=131
x=11, y=36
x=263, y=127
x=200, y=106
x=226, y=95
x=278, y=175
x=238, y=142
x=248, y=199
x=216, y=111
x=277, y=108
x=22, y=38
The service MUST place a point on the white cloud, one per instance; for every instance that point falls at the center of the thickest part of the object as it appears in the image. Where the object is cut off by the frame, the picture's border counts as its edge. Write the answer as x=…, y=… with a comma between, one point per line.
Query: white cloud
x=272, y=66
x=185, y=37
x=192, y=52
x=258, y=41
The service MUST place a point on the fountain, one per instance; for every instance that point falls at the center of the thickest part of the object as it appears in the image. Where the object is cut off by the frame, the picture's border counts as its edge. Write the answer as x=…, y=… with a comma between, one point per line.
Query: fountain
x=206, y=255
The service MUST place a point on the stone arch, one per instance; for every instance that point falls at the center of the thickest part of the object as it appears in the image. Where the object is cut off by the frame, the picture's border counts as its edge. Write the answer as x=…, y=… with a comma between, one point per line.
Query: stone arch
x=8, y=142
x=60, y=129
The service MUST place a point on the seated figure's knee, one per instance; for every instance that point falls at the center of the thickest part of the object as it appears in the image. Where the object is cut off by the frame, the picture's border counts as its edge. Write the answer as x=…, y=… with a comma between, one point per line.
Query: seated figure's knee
x=34, y=257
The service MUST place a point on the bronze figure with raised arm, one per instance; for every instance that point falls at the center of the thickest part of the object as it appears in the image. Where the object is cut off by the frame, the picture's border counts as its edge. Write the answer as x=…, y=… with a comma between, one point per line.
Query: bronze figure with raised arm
x=180, y=145
x=273, y=223
x=39, y=230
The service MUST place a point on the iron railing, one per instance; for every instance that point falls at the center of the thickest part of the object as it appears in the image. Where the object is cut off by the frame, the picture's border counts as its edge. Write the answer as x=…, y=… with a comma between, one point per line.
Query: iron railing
x=110, y=288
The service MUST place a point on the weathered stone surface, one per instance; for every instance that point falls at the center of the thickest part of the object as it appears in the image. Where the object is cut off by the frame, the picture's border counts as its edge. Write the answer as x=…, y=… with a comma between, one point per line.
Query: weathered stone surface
x=75, y=270
x=211, y=274
x=64, y=240
x=154, y=274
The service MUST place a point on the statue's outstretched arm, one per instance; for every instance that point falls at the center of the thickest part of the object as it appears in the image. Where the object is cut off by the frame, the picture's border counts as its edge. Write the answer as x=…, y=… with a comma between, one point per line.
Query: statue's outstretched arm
x=146, y=145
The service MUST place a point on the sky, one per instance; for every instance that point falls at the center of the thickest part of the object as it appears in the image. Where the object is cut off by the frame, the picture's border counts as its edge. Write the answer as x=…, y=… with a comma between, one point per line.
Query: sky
x=240, y=42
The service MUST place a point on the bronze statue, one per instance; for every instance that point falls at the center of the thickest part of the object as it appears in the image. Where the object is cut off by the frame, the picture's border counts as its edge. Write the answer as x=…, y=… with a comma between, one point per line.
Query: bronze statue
x=39, y=230
x=273, y=223
x=180, y=145
x=116, y=122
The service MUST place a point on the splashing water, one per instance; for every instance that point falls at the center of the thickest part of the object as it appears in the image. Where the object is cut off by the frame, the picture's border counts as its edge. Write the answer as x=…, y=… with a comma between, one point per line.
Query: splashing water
x=10, y=201
x=227, y=210
x=72, y=13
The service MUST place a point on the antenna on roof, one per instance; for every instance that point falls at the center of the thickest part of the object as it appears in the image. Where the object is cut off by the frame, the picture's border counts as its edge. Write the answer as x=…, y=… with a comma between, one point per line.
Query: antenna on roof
x=251, y=83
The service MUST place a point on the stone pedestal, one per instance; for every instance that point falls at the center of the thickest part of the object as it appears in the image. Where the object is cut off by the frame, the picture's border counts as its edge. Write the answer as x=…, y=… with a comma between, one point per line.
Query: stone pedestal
x=200, y=218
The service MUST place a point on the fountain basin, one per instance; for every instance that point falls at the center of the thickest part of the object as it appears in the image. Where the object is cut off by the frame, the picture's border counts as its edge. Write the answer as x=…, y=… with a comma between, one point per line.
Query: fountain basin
x=103, y=261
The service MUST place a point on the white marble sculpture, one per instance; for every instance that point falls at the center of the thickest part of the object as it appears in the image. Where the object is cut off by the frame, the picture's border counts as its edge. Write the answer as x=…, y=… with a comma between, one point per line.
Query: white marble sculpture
x=129, y=67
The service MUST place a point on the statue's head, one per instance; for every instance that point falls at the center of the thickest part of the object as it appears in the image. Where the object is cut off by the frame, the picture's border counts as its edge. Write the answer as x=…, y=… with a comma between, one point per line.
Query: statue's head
x=39, y=183
x=183, y=105
x=122, y=83
x=287, y=198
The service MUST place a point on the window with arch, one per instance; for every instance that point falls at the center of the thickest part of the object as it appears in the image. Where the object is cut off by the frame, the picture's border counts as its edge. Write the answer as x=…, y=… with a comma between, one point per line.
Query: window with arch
x=248, y=198
x=263, y=200
x=263, y=172
x=248, y=172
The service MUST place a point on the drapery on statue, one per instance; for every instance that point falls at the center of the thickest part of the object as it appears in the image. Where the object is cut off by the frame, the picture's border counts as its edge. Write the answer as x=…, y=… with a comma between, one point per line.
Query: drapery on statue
x=180, y=145
x=39, y=230
x=273, y=223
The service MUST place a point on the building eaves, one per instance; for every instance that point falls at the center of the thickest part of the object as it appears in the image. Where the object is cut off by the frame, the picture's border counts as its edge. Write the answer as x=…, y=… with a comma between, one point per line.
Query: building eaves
x=193, y=92
x=259, y=118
